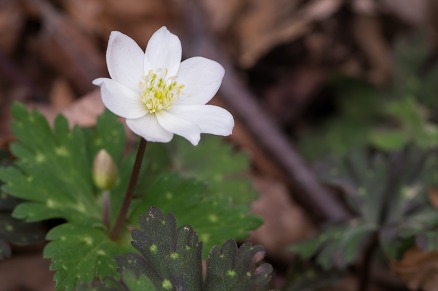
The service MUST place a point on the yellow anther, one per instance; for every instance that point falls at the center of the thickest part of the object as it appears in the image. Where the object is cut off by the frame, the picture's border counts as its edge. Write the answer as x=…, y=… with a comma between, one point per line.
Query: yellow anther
x=158, y=91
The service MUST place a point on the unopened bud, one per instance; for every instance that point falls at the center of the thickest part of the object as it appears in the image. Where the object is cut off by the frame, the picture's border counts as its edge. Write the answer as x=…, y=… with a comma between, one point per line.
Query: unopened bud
x=105, y=172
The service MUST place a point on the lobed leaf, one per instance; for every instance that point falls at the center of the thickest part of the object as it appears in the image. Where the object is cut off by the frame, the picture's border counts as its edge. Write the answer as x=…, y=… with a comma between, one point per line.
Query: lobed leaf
x=52, y=174
x=193, y=203
x=52, y=171
x=233, y=268
x=224, y=172
x=171, y=258
x=81, y=254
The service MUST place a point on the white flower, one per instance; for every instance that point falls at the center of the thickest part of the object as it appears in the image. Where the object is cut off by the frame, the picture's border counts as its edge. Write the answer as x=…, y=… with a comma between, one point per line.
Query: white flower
x=158, y=94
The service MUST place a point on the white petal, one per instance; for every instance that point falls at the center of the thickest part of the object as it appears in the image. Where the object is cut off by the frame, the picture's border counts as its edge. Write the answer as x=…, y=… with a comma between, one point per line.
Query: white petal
x=210, y=119
x=201, y=78
x=99, y=81
x=149, y=128
x=125, y=60
x=120, y=99
x=179, y=126
x=163, y=51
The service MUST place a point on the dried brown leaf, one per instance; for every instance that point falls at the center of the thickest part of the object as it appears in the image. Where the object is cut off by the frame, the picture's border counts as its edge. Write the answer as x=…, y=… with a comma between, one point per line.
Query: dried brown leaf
x=224, y=13
x=433, y=196
x=61, y=94
x=29, y=272
x=413, y=12
x=271, y=23
x=418, y=269
x=11, y=24
x=82, y=112
x=369, y=36
x=284, y=221
x=66, y=48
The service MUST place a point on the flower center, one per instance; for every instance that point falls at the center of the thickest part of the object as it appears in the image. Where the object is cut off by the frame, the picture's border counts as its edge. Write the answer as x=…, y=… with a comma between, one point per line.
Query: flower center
x=158, y=91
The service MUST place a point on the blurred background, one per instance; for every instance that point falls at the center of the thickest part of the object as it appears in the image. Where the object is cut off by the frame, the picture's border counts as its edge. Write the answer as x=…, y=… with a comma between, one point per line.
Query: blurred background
x=305, y=79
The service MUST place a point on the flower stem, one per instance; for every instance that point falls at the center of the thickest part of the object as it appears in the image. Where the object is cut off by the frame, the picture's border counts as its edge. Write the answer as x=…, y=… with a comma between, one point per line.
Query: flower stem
x=106, y=208
x=129, y=191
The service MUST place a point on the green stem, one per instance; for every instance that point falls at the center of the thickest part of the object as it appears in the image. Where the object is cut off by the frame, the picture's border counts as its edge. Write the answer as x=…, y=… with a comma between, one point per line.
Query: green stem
x=106, y=208
x=129, y=191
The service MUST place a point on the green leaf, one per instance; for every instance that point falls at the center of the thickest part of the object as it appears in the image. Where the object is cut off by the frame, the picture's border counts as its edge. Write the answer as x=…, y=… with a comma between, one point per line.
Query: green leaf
x=137, y=283
x=212, y=217
x=170, y=257
x=338, y=246
x=359, y=106
x=81, y=253
x=53, y=171
x=53, y=174
x=224, y=172
x=13, y=230
x=18, y=232
x=389, y=139
x=233, y=268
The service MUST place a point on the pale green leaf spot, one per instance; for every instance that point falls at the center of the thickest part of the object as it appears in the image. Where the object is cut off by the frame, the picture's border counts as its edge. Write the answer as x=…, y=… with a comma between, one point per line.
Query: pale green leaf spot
x=205, y=237
x=40, y=158
x=87, y=240
x=61, y=151
x=167, y=285
x=154, y=249
x=213, y=218
x=231, y=273
x=50, y=203
x=174, y=256
x=80, y=207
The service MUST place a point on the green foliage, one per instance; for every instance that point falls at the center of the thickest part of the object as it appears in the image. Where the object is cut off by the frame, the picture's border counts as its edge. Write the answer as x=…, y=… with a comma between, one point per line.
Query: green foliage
x=80, y=253
x=53, y=171
x=303, y=276
x=360, y=106
x=194, y=204
x=53, y=174
x=171, y=258
x=233, y=268
x=386, y=118
x=13, y=230
x=226, y=179
x=387, y=193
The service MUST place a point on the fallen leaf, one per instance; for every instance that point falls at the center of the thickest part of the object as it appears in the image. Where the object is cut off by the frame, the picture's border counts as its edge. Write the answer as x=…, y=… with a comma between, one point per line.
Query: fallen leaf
x=432, y=194
x=11, y=25
x=82, y=112
x=26, y=272
x=61, y=94
x=271, y=23
x=418, y=269
x=284, y=221
x=369, y=36
x=68, y=50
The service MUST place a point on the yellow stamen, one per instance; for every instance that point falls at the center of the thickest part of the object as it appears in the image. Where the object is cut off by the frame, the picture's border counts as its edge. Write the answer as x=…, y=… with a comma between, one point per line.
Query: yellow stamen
x=158, y=91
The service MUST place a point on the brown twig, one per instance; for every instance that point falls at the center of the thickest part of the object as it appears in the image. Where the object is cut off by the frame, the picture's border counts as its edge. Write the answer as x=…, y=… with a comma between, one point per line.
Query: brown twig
x=200, y=41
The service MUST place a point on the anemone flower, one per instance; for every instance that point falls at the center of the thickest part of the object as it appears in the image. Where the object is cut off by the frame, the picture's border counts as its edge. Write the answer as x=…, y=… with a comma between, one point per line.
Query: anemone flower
x=159, y=95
